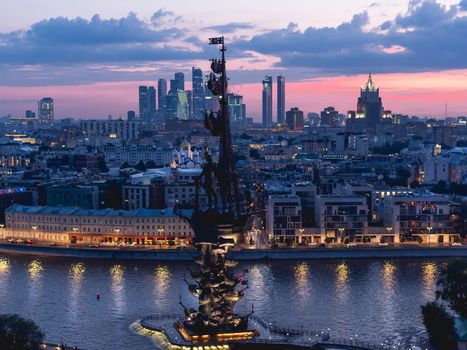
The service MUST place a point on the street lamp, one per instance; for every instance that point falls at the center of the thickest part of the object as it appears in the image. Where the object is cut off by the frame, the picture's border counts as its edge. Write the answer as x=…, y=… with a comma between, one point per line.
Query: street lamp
x=389, y=229
x=429, y=228
x=300, y=238
x=34, y=231
x=341, y=229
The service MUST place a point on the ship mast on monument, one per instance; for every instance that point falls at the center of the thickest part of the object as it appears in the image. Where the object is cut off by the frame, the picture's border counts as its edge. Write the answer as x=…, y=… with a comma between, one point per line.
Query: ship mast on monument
x=216, y=226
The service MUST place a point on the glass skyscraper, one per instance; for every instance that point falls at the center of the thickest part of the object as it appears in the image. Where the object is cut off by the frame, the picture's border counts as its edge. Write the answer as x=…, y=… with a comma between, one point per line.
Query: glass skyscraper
x=280, y=99
x=267, y=101
x=198, y=93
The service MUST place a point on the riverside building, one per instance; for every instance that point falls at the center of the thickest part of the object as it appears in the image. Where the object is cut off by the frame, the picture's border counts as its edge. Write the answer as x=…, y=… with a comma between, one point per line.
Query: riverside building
x=426, y=217
x=339, y=216
x=82, y=226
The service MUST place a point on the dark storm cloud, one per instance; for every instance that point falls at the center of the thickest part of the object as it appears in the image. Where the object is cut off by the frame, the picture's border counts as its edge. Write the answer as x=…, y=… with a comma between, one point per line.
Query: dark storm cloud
x=64, y=40
x=230, y=27
x=428, y=37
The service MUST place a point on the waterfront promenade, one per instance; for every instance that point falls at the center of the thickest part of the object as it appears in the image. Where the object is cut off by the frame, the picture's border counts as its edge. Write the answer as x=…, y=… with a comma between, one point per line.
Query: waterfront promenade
x=386, y=252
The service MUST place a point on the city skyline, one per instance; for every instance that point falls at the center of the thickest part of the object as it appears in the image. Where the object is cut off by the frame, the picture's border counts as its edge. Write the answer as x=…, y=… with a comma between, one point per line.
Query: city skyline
x=146, y=45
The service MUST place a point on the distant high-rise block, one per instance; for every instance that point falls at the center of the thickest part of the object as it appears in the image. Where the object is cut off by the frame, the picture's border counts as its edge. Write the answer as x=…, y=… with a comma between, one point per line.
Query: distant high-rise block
x=330, y=117
x=151, y=100
x=267, y=101
x=45, y=111
x=237, y=109
x=280, y=99
x=147, y=104
x=131, y=115
x=161, y=94
x=189, y=97
x=178, y=82
x=30, y=114
x=143, y=101
x=178, y=106
x=369, y=104
x=210, y=101
x=198, y=93
x=294, y=119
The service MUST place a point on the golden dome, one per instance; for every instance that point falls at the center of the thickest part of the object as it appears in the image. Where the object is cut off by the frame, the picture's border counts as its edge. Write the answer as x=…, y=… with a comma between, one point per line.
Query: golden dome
x=185, y=145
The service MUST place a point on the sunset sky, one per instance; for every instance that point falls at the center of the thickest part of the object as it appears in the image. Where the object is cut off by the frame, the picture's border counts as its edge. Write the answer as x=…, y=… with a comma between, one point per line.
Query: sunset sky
x=90, y=56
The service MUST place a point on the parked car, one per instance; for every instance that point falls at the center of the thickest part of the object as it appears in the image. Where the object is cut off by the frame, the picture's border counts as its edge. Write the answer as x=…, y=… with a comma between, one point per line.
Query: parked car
x=383, y=244
x=11, y=240
x=456, y=244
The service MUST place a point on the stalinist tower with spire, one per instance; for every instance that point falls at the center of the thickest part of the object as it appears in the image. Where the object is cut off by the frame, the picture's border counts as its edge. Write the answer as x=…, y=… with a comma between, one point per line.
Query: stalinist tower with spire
x=369, y=105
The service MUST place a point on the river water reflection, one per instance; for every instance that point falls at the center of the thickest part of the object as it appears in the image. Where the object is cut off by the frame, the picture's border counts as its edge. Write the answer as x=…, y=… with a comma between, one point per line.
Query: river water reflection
x=374, y=299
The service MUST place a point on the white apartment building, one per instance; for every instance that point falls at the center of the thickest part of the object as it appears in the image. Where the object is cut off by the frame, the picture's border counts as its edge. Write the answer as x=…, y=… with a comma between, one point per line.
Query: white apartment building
x=338, y=216
x=283, y=217
x=426, y=216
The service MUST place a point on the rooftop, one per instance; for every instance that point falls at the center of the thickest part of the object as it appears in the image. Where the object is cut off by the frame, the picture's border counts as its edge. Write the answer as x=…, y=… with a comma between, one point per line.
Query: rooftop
x=169, y=212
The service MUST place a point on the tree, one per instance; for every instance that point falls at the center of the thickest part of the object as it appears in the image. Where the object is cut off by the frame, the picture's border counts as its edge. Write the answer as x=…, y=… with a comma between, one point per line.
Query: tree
x=124, y=165
x=452, y=284
x=17, y=333
x=151, y=164
x=140, y=166
x=101, y=165
x=439, y=325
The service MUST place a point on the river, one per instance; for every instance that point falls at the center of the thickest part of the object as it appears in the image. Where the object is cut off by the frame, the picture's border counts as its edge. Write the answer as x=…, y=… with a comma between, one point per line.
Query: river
x=374, y=300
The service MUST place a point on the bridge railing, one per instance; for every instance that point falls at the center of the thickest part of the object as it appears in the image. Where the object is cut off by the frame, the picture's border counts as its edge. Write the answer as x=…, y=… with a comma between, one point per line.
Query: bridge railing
x=357, y=344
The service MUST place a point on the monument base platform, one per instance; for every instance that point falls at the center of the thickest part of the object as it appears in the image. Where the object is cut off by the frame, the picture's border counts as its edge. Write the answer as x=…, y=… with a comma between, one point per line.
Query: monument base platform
x=166, y=332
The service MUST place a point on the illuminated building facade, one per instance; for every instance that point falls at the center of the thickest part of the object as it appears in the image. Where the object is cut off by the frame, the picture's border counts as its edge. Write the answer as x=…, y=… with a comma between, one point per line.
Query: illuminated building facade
x=118, y=129
x=45, y=111
x=267, y=101
x=330, y=117
x=280, y=99
x=426, y=216
x=198, y=93
x=370, y=105
x=294, y=119
x=72, y=225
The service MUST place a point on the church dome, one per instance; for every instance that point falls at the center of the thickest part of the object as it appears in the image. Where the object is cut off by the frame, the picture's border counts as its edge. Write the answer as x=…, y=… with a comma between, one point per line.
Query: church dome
x=185, y=145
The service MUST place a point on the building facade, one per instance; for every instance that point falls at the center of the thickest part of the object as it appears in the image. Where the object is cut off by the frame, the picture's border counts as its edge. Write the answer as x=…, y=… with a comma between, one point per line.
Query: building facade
x=267, y=102
x=198, y=93
x=45, y=111
x=82, y=226
x=118, y=129
x=283, y=217
x=330, y=117
x=280, y=99
x=339, y=216
x=369, y=105
x=425, y=216
x=294, y=119
x=237, y=109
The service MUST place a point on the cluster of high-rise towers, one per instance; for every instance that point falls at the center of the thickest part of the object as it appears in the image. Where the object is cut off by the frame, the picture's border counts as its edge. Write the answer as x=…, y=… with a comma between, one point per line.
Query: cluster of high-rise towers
x=267, y=110
x=157, y=106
